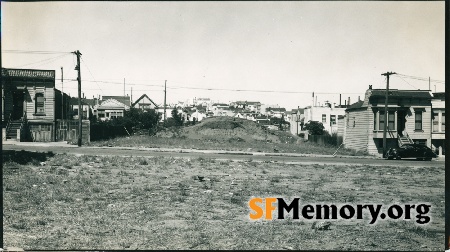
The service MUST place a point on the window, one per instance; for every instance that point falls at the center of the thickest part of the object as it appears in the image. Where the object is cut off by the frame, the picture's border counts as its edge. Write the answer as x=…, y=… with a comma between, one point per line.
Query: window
x=418, y=120
x=333, y=119
x=39, y=103
x=435, y=122
x=443, y=122
x=324, y=118
x=375, y=120
x=381, y=121
x=391, y=120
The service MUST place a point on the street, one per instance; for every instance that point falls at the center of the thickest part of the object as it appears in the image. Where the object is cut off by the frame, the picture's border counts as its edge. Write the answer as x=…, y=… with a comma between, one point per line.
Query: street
x=259, y=157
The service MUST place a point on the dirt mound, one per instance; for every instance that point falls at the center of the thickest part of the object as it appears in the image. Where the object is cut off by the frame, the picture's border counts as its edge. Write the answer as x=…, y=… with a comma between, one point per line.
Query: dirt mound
x=233, y=130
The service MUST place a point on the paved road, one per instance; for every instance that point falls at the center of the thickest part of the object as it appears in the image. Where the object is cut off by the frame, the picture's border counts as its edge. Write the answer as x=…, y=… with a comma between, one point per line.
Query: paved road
x=261, y=157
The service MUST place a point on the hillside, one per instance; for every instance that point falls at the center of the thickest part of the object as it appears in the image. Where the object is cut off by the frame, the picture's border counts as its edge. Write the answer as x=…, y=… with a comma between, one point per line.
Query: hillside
x=228, y=129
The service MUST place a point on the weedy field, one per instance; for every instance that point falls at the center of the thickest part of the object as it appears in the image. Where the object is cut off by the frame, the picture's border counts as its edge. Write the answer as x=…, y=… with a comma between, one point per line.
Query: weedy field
x=226, y=133
x=109, y=202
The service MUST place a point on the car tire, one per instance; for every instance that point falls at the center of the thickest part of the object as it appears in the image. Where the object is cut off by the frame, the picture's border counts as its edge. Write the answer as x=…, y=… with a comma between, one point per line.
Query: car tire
x=397, y=157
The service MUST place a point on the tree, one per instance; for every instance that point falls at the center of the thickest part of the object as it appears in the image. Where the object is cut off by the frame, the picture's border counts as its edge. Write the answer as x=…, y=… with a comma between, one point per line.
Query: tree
x=314, y=128
x=177, y=118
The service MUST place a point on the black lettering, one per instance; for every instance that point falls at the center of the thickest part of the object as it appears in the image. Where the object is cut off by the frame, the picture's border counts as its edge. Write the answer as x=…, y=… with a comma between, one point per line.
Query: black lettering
x=307, y=209
x=343, y=213
x=283, y=206
x=326, y=214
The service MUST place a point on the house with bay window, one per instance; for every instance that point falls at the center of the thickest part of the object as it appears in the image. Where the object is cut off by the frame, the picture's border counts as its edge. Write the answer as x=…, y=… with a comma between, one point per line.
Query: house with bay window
x=408, y=120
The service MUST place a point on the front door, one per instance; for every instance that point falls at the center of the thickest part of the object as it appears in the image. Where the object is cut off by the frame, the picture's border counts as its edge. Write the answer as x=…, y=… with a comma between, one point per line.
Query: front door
x=400, y=122
x=18, y=99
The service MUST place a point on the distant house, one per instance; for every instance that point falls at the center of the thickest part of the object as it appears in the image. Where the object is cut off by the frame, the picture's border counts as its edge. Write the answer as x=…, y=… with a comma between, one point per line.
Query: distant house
x=31, y=104
x=276, y=112
x=87, y=108
x=145, y=103
x=327, y=114
x=408, y=120
x=294, y=117
x=438, y=121
x=112, y=108
x=263, y=120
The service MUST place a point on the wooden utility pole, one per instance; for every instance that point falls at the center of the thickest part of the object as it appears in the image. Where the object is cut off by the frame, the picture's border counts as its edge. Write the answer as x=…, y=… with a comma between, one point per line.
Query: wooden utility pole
x=165, y=82
x=62, y=95
x=80, y=113
x=386, y=116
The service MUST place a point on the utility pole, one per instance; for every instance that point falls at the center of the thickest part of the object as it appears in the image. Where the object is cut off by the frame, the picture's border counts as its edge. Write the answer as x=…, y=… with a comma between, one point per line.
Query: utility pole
x=386, y=116
x=80, y=114
x=62, y=95
x=429, y=83
x=123, y=86
x=165, y=82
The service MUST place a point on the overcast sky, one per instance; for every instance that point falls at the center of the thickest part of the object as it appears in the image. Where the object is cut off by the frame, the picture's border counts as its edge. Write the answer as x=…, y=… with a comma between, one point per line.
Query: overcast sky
x=291, y=48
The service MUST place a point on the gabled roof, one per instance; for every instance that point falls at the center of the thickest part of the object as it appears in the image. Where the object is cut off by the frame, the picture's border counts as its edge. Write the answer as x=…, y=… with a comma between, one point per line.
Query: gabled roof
x=122, y=99
x=141, y=98
x=112, y=104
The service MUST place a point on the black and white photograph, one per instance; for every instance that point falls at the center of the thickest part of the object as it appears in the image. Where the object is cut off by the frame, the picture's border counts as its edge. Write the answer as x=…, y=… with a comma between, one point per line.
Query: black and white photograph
x=223, y=125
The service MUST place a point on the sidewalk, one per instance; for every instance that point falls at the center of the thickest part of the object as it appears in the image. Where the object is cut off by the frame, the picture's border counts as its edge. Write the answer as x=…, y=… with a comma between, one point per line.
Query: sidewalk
x=180, y=150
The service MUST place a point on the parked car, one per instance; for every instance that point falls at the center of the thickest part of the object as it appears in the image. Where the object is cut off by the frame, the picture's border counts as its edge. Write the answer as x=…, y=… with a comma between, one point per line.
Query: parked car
x=421, y=152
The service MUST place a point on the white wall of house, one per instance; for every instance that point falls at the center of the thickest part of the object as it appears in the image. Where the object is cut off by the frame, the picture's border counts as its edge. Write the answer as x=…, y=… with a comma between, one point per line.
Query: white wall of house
x=326, y=115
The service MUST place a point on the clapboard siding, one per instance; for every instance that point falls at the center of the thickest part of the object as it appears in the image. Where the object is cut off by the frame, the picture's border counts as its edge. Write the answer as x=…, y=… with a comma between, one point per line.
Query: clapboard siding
x=357, y=130
x=49, y=102
x=425, y=133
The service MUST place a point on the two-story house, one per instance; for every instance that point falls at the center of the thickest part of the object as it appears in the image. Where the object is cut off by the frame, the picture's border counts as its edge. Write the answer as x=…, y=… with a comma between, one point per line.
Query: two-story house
x=408, y=120
x=31, y=104
x=328, y=115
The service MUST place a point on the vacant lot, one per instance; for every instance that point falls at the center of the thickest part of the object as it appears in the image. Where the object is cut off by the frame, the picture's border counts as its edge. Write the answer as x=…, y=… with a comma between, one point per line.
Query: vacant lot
x=104, y=202
x=226, y=133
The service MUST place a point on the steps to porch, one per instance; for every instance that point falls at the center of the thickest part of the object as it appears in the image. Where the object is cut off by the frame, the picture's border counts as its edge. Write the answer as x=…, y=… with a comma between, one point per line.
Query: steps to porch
x=11, y=132
x=405, y=139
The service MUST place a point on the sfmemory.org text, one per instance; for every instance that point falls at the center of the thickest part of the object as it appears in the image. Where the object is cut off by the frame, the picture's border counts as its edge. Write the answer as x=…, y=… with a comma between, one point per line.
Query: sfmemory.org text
x=263, y=207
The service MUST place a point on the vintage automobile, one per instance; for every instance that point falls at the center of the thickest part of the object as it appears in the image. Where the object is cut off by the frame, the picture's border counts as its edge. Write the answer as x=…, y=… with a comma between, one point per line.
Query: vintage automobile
x=419, y=151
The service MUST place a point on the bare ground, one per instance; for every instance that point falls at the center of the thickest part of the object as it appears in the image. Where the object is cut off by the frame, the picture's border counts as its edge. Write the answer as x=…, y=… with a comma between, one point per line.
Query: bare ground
x=93, y=202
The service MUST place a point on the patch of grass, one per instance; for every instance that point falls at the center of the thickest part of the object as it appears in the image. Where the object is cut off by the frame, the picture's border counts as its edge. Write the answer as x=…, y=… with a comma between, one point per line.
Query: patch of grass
x=95, y=208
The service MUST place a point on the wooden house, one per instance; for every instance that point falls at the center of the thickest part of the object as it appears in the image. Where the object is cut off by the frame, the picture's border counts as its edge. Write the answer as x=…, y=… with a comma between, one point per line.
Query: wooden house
x=408, y=120
x=145, y=103
x=31, y=104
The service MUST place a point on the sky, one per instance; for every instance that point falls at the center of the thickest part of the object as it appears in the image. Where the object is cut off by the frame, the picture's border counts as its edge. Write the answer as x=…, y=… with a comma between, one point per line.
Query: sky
x=277, y=53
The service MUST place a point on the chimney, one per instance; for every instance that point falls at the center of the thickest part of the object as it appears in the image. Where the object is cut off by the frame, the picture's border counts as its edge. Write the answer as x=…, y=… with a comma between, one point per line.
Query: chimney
x=358, y=98
x=345, y=103
x=370, y=86
x=349, y=101
x=340, y=96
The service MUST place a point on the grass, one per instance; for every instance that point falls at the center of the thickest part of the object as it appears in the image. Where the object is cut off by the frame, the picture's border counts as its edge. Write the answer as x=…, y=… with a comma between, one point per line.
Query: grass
x=223, y=133
x=160, y=203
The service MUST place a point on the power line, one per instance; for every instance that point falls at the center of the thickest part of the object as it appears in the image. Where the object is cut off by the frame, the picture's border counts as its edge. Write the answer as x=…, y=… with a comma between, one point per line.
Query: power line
x=407, y=82
x=44, y=60
x=420, y=78
x=33, y=52
x=92, y=76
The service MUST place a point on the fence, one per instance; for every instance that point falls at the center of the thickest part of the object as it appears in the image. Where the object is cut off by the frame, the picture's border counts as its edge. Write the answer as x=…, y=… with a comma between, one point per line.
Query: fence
x=105, y=131
x=333, y=139
x=67, y=130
